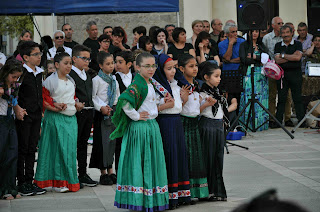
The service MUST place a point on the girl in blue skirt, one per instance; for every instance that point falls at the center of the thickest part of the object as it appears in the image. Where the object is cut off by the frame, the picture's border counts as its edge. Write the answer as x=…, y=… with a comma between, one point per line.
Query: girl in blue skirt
x=172, y=132
x=141, y=178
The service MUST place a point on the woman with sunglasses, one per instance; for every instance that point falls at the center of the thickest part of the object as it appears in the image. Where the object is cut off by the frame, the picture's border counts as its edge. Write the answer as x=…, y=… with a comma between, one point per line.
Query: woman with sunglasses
x=58, y=41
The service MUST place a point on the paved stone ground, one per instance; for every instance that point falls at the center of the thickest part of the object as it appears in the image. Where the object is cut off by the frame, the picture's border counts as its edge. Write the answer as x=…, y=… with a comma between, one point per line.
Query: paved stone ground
x=274, y=160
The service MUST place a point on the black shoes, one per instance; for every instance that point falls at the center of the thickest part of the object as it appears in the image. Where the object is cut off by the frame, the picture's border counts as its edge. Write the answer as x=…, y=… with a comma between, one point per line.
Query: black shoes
x=37, y=190
x=87, y=181
x=113, y=177
x=273, y=125
x=26, y=189
x=105, y=180
x=289, y=123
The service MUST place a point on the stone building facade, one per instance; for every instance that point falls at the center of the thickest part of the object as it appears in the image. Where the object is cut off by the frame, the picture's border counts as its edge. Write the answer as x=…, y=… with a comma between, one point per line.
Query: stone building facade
x=126, y=20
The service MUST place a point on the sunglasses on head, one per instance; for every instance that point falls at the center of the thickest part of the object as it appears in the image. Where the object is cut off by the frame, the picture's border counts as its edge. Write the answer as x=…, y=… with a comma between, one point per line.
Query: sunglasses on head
x=170, y=25
x=58, y=37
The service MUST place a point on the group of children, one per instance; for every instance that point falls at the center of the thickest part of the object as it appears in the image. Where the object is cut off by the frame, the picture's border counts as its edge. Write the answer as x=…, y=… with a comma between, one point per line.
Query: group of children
x=170, y=156
x=165, y=131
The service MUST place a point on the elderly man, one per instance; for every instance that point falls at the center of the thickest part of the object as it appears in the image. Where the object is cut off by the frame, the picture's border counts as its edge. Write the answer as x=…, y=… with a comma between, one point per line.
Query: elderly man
x=68, y=31
x=270, y=40
x=288, y=54
x=58, y=41
x=231, y=76
x=216, y=25
x=93, y=43
x=306, y=39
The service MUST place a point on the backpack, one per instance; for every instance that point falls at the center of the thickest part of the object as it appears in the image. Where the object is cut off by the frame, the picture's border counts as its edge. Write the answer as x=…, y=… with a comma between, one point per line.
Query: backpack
x=273, y=70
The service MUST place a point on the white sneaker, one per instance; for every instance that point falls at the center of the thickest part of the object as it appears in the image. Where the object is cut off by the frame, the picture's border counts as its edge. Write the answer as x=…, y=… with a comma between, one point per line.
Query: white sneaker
x=61, y=189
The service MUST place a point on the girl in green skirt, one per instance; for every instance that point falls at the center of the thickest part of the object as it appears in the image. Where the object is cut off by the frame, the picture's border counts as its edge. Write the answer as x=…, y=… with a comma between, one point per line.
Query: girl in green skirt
x=189, y=115
x=141, y=178
x=57, y=160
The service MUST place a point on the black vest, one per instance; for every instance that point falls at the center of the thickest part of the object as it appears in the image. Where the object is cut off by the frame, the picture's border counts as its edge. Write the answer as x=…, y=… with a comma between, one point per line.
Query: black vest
x=30, y=93
x=122, y=87
x=83, y=88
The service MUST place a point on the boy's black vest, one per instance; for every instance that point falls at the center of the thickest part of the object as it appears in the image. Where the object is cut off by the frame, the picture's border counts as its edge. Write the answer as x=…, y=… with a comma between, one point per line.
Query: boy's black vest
x=83, y=88
x=30, y=93
x=122, y=87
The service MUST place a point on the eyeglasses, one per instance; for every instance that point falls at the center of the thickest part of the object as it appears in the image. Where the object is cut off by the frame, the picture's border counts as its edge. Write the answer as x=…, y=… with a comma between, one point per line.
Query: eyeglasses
x=154, y=66
x=58, y=37
x=37, y=54
x=85, y=59
x=280, y=23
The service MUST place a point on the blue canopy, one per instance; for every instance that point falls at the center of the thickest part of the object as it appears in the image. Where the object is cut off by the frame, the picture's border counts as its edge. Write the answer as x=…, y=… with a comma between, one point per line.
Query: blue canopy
x=65, y=7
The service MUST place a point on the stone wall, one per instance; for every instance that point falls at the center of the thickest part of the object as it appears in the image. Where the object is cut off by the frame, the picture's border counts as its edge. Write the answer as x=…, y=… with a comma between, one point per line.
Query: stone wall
x=126, y=20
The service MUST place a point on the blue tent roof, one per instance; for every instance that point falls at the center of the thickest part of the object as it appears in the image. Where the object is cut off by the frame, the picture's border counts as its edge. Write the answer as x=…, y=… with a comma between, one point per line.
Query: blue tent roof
x=65, y=7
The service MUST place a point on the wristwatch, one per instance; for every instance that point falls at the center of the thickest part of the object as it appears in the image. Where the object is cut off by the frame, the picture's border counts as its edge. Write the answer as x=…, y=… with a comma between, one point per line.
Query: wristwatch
x=282, y=56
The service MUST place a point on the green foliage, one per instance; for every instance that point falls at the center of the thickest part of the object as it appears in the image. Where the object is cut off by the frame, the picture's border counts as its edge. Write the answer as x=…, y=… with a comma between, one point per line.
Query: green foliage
x=13, y=25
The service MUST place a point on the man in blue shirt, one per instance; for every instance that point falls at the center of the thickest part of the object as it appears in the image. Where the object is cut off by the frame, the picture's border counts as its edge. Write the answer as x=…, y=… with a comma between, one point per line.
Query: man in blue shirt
x=231, y=75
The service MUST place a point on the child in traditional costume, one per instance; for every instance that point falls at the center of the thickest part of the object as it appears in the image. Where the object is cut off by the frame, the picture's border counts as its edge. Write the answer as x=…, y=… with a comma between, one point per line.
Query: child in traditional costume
x=105, y=94
x=172, y=132
x=213, y=108
x=141, y=177
x=189, y=116
x=9, y=74
x=57, y=160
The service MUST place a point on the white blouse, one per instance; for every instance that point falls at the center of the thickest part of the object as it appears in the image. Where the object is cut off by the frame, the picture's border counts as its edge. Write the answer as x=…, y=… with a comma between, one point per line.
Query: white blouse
x=126, y=78
x=207, y=112
x=81, y=73
x=149, y=105
x=177, y=100
x=64, y=93
x=100, y=92
x=192, y=106
x=3, y=107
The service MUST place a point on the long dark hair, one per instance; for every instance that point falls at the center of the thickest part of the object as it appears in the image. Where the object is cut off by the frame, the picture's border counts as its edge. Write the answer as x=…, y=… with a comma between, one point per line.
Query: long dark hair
x=11, y=66
x=259, y=40
x=201, y=36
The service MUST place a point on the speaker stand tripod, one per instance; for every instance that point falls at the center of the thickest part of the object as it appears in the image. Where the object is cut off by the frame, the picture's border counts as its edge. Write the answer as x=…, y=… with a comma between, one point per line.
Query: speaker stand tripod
x=252, y=101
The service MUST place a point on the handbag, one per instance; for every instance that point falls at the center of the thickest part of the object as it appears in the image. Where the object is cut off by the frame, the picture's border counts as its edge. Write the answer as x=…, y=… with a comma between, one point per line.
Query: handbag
x=273, y=70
